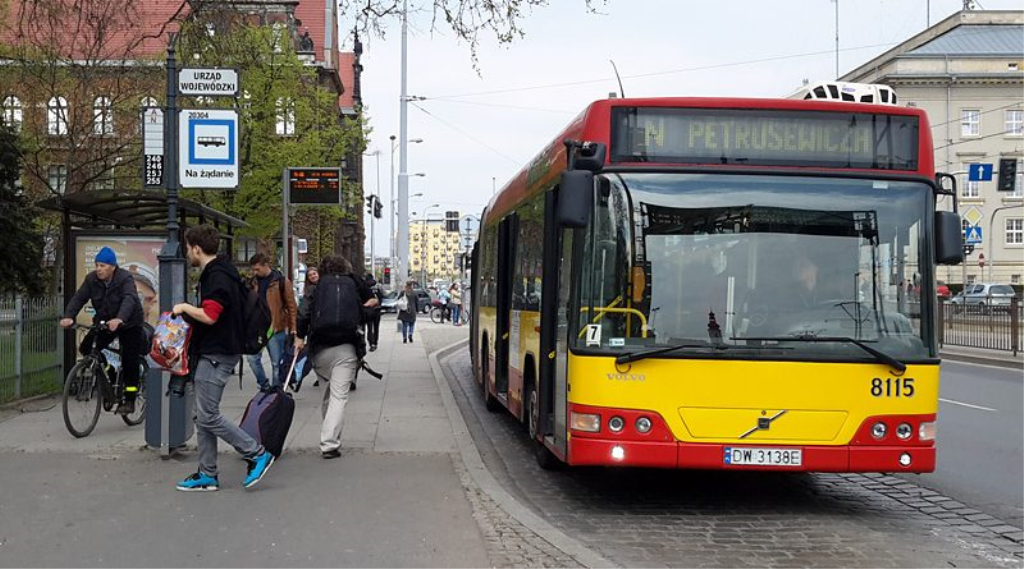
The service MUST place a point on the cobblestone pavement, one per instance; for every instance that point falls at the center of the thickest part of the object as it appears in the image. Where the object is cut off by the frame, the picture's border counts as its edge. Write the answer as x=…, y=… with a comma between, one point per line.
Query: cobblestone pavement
x=653, y=518
x=509, y=543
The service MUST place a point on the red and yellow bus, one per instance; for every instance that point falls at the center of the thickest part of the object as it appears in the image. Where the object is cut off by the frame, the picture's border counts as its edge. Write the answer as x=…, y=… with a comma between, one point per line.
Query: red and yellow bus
x=719, y=284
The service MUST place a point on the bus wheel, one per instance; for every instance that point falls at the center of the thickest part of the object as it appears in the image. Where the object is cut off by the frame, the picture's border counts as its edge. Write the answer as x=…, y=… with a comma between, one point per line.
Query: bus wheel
x=491, y=402
x=531, y=414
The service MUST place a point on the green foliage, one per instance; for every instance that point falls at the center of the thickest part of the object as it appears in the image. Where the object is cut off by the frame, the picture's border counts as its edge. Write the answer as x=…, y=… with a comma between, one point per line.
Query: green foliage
x=276, y=85
x=21, y=246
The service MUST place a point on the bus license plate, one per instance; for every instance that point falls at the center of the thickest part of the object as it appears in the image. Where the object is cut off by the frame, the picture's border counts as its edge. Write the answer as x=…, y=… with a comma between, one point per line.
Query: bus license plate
x=763, y=456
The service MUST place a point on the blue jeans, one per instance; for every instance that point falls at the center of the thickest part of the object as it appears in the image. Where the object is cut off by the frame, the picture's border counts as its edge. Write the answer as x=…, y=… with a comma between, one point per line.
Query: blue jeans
x=407, y=328
x=275, y=347
x=455, y=313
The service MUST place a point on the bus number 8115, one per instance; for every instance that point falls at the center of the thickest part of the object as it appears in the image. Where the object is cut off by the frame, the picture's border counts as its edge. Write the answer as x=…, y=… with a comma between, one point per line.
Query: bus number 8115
x=890, y=387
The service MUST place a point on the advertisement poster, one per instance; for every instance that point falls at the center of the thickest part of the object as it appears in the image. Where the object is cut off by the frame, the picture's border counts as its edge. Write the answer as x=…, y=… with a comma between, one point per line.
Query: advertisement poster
x=137, y=255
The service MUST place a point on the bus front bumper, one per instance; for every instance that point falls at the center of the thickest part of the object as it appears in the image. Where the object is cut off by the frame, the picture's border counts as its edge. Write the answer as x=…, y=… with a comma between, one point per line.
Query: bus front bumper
x=705, y=456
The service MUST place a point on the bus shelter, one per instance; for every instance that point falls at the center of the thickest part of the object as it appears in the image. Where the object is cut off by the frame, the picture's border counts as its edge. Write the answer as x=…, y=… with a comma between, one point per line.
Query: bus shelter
x=133, y=224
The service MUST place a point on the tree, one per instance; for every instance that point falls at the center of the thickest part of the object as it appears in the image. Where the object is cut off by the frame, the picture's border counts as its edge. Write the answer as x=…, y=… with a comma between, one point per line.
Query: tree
x=466, y=18
x=288, y=117
x=21, y=247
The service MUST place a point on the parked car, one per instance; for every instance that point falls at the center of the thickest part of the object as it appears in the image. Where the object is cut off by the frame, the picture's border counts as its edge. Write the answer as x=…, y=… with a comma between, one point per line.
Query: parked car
x=942, y=290
x=389, y=302
x=983, y=298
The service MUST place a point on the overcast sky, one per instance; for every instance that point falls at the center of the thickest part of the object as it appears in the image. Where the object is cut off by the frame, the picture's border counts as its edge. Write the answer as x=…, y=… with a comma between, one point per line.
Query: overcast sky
x=482, y=128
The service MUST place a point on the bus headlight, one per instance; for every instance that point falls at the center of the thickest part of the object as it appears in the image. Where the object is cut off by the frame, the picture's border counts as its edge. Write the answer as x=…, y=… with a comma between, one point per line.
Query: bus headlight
x=618, y=453
x=878, y=430
x=588, y=422
x=905, y=459
x=904, y=431
x=643, y=425
x=616, y=424
x=926, y=432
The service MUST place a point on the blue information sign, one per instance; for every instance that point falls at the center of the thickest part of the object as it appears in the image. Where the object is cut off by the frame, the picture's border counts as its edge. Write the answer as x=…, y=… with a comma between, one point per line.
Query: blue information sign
x=979, y=173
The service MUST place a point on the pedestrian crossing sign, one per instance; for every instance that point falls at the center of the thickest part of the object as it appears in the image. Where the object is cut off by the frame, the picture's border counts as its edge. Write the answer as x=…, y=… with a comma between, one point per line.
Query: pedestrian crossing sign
x=972, y=235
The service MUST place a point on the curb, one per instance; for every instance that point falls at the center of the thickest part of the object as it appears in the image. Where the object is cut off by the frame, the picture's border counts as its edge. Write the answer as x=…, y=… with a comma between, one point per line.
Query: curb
x=982, y=360
x=490, y=486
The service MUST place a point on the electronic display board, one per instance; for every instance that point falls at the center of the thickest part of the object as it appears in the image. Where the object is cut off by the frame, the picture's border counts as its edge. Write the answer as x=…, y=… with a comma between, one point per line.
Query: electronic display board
x=314, y=186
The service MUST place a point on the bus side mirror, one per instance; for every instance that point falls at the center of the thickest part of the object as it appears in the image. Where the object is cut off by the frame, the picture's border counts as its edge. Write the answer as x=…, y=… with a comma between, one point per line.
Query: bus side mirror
x=575, y=196
x=949, y=238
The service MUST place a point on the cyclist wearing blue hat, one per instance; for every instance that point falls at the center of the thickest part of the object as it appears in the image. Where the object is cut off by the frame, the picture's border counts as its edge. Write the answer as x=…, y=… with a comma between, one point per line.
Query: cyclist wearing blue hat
x=113, y=295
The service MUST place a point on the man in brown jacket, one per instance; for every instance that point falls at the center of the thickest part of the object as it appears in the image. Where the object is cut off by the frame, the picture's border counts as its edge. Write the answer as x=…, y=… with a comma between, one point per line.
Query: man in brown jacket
x=280, y=297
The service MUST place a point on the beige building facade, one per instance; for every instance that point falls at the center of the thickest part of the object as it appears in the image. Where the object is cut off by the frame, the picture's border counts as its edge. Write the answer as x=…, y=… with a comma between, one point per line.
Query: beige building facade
x=967, y=73
x=433, y=252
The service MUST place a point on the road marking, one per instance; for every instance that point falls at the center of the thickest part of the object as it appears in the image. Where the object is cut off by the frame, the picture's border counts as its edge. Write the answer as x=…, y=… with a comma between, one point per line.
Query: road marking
x=966, y=404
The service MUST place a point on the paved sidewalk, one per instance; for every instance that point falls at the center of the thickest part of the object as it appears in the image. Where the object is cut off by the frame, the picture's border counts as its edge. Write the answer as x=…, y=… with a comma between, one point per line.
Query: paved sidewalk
x=983, y=356
x=399, y=495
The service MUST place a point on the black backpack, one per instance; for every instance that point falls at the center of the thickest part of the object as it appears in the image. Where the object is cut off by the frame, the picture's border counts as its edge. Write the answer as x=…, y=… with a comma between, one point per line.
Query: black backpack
x=337, y=311
x=256, y=319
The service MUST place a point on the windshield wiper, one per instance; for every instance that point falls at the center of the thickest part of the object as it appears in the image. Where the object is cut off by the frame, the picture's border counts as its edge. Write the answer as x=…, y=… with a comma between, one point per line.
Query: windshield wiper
x=879, y=355
x=630, y=357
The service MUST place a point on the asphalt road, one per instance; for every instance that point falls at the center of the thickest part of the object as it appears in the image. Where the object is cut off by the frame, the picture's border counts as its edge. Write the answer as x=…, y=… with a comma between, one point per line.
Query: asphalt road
x=981, y=440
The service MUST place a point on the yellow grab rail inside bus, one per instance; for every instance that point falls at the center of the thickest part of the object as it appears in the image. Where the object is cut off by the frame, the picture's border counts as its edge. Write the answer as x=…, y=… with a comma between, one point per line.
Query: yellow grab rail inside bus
x=611, y=308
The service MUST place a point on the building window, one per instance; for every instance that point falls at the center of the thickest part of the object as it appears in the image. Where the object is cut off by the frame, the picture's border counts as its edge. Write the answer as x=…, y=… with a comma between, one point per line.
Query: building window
x=277, y=33
x=1015, y=279
x=57, y=116
x=1018, y=182
x=102, y=117
x=971, y=279
x=13, y=113
x=1015, y=231
x=57, y=178
x=285, y=117
x=970, y=122
x=964, y=225
x=1015, y=122
x=970, y=189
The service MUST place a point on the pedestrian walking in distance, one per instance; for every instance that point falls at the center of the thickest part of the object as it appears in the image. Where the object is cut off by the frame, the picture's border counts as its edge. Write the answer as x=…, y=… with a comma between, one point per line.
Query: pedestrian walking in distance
x=407, y=315
x=331, y=322
x=277, y=291
x=456, y=303
x=372, y=315
x=216, y=347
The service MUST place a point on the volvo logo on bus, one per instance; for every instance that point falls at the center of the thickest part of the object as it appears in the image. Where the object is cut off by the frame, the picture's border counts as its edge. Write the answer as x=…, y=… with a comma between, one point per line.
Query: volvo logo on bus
x=763, y=424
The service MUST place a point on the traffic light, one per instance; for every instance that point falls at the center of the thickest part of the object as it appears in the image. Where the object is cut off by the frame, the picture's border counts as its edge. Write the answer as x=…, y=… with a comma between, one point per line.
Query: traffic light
x=387, y=275
x=1007, y=174
x=369, y=204
x=968, y=249
x=378, y=208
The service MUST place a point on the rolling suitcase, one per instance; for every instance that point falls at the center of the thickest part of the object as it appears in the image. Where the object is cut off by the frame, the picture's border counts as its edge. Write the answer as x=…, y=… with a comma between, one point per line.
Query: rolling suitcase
x=268, y=416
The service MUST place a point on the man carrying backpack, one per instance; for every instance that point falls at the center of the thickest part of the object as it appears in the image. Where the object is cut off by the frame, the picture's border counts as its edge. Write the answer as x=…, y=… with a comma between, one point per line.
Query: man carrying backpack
x=277, y=291
x=215, y=347
x=331, y=322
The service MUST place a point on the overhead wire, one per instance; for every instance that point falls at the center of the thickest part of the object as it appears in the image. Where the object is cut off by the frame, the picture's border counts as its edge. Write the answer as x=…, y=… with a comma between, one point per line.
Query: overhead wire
x=463, y=133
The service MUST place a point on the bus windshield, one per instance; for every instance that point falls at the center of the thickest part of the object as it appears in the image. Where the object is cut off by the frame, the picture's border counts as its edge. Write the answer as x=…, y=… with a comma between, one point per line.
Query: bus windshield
x=748, y=266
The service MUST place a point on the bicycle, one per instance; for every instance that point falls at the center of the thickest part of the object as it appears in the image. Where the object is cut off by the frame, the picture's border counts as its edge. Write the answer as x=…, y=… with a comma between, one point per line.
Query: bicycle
x=95, y=382
x=441, y=313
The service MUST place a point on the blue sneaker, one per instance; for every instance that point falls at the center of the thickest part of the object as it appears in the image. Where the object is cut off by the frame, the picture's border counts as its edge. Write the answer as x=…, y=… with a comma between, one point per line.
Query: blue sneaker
x=199, y=482
x=257, y=468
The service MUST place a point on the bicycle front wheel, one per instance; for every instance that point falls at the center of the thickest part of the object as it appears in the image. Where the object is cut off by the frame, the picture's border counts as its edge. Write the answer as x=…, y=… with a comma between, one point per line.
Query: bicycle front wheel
x=82, y=398
x=436, y=315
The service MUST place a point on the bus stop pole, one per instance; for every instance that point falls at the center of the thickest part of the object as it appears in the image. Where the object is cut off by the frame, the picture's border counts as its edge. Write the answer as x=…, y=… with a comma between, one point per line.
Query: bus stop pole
x=172, y=264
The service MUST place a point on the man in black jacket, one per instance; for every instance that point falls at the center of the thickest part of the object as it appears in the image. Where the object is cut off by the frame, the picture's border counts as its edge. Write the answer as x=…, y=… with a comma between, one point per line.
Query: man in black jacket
x=113, y=295
x=214, y=349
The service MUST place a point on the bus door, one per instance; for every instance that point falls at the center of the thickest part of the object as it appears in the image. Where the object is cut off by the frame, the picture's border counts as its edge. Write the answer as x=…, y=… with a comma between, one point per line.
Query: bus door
x=554, y=329
x=506, y=248
x=471, y=304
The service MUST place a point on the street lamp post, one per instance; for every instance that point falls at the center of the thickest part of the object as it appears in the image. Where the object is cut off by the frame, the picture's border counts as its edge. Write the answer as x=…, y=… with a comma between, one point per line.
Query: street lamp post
x=393, y=213
x=423, y=242
x=992, y=237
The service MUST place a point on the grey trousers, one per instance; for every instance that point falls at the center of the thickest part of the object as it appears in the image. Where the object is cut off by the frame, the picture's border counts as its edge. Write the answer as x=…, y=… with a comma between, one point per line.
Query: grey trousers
x=338, y=365
x=212, y=374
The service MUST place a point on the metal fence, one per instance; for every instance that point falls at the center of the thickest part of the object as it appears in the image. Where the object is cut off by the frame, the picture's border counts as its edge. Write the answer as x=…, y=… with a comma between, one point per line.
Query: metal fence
x=991, y=328
x=30, y=347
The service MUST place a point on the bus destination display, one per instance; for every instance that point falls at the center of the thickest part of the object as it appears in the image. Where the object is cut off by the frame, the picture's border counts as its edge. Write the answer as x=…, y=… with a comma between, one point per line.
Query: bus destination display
x=759, y=137
x=314, y=186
